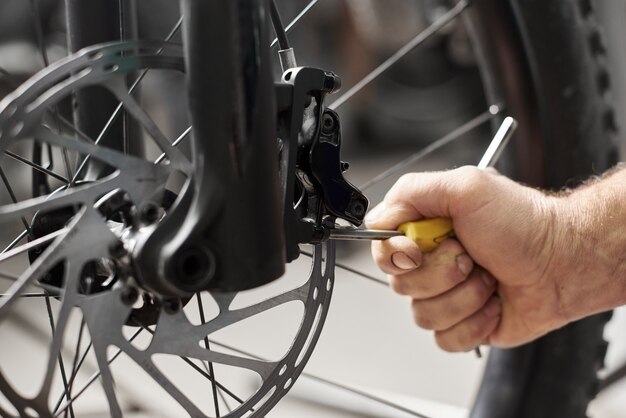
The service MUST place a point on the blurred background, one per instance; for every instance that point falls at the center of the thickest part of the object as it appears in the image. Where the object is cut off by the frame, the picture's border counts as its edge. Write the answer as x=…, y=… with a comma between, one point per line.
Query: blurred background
x=369, y=341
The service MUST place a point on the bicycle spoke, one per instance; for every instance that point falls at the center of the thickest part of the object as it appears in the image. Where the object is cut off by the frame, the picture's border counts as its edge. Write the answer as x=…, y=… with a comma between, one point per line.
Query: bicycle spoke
x=206, y=375
x=36, y=20
x=208, y=347
x=5, y=180
x=331, y=383
x=149, y=125
x=60, y=357
x=71, y=271
x=229, y=317
x=296, y=20
x=32, y=244
x=107, y=126
x=16, y=241
x=225, y=402
x=410, y=46
x=351, y=270
x=37, y=167
x=484, y=117
x=178, y=140
x=94, y=377
x=212, y=380
x=44, y=55
x=29, y=295
x=107, y=155
x=77, y=368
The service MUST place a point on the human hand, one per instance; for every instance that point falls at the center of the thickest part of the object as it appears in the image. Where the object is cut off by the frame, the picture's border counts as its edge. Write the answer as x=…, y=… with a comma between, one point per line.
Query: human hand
x=498, y=282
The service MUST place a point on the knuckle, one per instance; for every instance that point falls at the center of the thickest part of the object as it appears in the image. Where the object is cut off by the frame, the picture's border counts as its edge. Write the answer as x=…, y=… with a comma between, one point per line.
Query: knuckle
x=477, y=291
x=453, y=277
x=473, y=180
x=444, y=342
x=472, y=336
x=451, y=246
x=422, y=318
x=406, y=181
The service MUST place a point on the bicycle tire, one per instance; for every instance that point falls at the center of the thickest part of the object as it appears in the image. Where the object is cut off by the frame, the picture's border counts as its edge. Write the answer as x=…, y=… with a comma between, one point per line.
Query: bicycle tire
x=574, y=137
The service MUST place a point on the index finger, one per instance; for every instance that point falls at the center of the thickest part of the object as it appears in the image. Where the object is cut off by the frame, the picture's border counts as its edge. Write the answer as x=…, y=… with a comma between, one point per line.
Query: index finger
x=413, y=197
x=418, y=196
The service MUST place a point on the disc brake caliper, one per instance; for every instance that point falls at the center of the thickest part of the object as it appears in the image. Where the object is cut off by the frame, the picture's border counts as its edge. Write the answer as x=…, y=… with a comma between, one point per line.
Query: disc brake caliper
x=321, y=193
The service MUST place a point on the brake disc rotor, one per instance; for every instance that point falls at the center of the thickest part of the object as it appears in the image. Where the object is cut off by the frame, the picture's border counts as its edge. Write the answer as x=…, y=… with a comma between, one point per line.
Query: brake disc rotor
x=93, y=245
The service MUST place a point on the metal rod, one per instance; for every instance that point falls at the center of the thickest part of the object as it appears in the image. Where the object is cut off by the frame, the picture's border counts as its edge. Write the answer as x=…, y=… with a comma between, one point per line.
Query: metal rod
x=484, y=117
x=33, y=244
x=36, y=166
x=499, y=142
x=360, y=234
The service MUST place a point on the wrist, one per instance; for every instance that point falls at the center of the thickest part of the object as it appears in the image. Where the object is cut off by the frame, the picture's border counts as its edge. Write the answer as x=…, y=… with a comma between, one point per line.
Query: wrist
x=591, y=245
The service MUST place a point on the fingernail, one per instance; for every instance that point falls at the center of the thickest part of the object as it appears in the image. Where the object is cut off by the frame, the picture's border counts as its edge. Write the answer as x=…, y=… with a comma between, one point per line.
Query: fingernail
x=489, y=280
x=493, y=308
x=374, y=214
x=465, y=264
x=403, y=261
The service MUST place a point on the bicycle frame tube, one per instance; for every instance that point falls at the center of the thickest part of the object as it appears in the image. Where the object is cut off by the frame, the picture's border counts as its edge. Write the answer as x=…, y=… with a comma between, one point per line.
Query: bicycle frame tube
x=232, y=236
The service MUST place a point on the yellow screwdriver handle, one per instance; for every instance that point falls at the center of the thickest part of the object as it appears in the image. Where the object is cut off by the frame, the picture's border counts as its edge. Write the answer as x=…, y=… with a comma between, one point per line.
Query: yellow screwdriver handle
x=429, y=233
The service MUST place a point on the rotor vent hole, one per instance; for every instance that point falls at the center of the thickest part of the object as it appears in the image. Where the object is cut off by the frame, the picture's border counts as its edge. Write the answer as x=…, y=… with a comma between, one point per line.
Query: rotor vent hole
x=95, y=55
x=262, y=402
x=309, y=340
x=282, y=370
x=30, y=412
x=315, y=293
x=111, y=68
x=288, y=383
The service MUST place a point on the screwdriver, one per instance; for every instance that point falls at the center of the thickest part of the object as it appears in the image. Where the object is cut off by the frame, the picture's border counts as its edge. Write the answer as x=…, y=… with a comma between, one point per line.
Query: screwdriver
x=429, y=233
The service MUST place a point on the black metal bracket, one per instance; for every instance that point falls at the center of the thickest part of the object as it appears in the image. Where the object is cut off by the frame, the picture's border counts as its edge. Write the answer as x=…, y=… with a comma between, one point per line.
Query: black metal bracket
x=311, y=167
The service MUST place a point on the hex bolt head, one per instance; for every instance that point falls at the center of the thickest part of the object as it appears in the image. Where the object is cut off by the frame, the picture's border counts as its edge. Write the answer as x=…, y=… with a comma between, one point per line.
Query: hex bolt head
x=328, y=123
x=357, y=208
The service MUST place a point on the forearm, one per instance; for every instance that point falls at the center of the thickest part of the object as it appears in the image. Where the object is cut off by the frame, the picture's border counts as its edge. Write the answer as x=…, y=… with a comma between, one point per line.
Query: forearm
x=593, y=238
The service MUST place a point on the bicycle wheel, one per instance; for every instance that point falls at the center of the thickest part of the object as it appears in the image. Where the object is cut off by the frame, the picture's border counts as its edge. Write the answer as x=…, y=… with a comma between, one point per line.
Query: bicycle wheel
x=547, y=120
x=121, y=171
